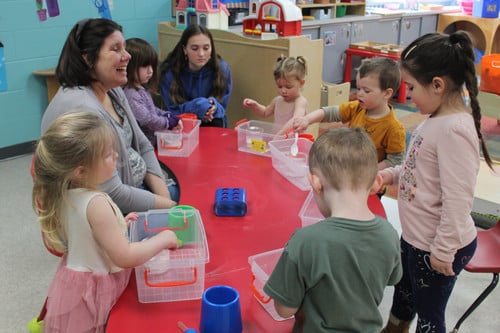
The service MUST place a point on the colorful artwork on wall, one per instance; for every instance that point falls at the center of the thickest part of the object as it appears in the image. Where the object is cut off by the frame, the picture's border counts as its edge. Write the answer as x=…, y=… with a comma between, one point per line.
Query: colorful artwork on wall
x=52, y=9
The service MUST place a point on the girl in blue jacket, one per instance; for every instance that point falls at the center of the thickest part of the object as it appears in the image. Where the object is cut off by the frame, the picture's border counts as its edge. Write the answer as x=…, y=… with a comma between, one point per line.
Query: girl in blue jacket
x=195, y=79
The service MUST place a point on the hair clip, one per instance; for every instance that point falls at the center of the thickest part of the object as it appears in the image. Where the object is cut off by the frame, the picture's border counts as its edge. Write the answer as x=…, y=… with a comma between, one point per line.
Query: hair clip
x=410, y=50
x=79, y=28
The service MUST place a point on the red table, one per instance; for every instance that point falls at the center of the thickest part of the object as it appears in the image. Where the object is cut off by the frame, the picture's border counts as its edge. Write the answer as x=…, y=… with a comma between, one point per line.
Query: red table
x=350, y=52
x=272, y=216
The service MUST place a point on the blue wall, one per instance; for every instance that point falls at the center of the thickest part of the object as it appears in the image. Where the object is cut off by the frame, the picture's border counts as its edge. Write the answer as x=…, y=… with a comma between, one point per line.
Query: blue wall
x=30, y=44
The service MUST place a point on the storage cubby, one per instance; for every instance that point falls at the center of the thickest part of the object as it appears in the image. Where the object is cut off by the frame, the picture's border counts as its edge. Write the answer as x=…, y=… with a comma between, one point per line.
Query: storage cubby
x=485, y=32
x=334, y=8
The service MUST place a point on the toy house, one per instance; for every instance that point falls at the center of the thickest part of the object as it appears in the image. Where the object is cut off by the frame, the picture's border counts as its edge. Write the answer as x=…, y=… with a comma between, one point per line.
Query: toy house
x=281, y=17
x=208, y=13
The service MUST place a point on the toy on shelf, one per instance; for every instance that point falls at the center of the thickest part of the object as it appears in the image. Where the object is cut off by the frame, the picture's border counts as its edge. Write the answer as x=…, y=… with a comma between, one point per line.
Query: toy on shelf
x=212, y=14
x=279, y=17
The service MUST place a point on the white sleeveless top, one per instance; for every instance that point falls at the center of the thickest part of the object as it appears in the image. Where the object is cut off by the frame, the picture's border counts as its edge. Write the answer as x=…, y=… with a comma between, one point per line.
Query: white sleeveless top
x=84, y=253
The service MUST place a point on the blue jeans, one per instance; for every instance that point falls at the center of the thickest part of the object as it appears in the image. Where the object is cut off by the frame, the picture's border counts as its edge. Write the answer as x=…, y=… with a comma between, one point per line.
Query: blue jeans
x=174, y=192
x=423, y=291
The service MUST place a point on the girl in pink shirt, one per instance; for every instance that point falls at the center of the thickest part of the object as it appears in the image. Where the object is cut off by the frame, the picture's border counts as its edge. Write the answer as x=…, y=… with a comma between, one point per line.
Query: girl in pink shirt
x=436, y=182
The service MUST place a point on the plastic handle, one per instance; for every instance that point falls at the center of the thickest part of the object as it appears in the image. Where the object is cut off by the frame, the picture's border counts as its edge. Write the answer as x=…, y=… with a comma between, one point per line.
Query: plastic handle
x=183, y=227
x=164, y=146
x=257, y=294
x=241, y=121
x=188, y=116
x=169, y=284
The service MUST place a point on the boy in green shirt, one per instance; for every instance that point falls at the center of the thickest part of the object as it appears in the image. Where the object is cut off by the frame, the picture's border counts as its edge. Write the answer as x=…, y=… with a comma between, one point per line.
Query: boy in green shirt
x=332, y=274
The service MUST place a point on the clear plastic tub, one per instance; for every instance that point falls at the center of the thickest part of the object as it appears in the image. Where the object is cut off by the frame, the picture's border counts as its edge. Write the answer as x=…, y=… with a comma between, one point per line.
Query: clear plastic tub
x=179, y=143
x=294, y=168
x=172, y=275
x=309, y=212
x=262, y=265
x=254, y=137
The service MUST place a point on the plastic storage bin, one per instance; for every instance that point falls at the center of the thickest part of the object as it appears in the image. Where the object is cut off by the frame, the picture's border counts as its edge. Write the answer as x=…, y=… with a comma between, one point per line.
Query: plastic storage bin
x=294, y=168
x=172, y=275
x=262, y=266
x=179, y=143
x=254, y=137
x=309, y=212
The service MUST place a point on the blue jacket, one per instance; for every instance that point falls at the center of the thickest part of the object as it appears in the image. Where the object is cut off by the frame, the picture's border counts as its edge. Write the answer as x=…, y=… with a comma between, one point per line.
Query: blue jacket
x=197, y=87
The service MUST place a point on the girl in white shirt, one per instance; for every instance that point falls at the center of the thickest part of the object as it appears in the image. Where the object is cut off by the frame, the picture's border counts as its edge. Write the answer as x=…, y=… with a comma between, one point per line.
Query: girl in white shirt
x=74, y=156
x=289, y=74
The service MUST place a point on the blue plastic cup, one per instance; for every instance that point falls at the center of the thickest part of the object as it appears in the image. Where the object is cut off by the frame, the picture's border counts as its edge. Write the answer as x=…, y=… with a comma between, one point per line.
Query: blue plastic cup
x=220, y=310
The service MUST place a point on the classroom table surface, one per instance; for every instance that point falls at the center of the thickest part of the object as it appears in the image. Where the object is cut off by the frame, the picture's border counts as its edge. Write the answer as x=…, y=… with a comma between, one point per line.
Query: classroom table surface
x=272, y=216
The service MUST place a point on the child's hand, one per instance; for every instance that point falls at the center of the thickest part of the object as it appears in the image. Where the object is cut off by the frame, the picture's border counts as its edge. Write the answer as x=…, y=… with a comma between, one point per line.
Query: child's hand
x=445, y=268
x=179, y=125
x=300, y=124
x=386, y=178
x=170, y=239
x=249, y=103
x=131, y=217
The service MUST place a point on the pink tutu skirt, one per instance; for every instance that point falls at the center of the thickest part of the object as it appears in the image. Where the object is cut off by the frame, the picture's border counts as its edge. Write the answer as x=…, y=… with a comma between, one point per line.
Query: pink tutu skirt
x=80, y=302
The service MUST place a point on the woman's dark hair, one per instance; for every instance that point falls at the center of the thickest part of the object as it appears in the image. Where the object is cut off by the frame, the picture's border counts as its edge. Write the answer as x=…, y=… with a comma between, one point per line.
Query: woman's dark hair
x=85, y=39
x=143, y=54
x=176, y=61
x=452, y=58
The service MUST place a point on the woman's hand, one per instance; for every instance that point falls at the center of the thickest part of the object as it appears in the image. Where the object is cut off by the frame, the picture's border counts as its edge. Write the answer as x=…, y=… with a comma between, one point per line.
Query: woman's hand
x=209, y=115
x=445, y=268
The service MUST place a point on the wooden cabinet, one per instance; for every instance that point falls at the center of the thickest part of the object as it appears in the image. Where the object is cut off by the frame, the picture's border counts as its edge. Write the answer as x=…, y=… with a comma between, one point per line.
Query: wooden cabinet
x=251, y=61
x=335, y=9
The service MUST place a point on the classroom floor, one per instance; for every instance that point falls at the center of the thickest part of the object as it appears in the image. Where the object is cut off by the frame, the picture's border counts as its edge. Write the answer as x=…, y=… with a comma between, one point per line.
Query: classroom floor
x=27, y=268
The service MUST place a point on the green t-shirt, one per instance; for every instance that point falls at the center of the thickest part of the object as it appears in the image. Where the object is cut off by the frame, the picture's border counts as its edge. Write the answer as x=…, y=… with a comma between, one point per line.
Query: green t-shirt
x=335, y=272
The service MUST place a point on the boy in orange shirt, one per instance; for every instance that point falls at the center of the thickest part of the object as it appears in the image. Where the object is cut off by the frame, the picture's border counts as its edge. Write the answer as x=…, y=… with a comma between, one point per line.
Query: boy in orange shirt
x=377, y=80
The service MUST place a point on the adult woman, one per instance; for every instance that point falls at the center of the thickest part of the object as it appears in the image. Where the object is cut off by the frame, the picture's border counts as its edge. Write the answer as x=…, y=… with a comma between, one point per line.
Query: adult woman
x=91, y=70
x=195, y=79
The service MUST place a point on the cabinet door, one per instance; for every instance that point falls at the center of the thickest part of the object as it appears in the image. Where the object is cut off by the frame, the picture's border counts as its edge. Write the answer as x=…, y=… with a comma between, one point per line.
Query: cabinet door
x=336, y=39
x=410, y=30
x=363, y=31
x=311, y=32
x=383, y=31
x=387, y=31
x=429, y=24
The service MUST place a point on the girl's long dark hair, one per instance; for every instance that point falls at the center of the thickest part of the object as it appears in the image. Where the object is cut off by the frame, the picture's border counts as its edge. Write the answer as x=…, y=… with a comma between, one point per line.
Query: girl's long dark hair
x=176, y=61
x=451, y=56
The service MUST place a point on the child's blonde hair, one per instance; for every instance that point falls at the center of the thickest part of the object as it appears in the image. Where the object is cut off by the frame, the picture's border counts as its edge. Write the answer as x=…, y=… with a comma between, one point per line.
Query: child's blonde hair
x=290, y=68
x=74, y=139
x=345, y=157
